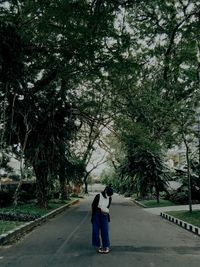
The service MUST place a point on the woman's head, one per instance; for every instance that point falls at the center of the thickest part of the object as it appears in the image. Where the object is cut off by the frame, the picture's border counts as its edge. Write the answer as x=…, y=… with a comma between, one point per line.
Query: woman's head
x=109, y=191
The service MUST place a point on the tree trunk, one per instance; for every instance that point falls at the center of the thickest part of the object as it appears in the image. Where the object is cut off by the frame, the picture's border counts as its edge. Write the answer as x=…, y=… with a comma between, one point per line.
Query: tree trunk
x=41, y=172
x=16, y=194
x=189, y=181
x=22, y=175
x=86, y=186
x=86, y=183
x=63, y=182
x=63, y=188
x=158, y=196
x=199, y=149
x=157, y=192
x=188, y=176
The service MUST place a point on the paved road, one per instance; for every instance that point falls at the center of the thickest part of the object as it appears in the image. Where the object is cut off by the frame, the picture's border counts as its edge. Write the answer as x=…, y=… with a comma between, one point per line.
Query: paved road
x=138, y=239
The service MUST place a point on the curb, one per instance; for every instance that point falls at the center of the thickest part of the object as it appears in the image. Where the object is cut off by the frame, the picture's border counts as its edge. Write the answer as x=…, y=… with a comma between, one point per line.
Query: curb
x=139, y=203
x=187, y=226
x=16, y=233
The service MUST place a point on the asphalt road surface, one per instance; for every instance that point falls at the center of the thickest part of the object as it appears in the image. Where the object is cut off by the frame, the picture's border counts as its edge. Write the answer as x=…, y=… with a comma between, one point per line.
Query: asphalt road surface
x=138, y=239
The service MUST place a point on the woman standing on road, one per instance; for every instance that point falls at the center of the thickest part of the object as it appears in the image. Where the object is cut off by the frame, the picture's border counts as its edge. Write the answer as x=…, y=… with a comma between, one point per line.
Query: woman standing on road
x=100, y=220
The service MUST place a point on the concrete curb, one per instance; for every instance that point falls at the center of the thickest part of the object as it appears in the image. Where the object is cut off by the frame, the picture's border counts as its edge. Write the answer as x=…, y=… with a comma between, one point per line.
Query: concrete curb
x=16, y=233
x=187, y=226
x=139, y=203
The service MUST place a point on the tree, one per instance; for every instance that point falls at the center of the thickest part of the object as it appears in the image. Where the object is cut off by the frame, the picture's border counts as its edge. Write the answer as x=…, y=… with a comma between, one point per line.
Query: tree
x=160, y=72
x=87, y=139
x=53, y=54
x=48, y=51
x=186, y=133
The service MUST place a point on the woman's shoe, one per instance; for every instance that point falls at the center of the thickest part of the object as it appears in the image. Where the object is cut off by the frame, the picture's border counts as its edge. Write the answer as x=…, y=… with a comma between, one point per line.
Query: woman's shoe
x=100, y=250
x=106, y=250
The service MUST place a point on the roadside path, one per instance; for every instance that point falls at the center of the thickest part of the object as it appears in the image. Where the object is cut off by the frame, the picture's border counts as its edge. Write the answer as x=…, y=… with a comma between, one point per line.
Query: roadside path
x=157, y=211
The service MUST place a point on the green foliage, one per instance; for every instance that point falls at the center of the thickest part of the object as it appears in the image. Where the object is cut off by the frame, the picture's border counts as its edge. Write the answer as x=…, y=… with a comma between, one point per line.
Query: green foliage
x=5, y=198
x=65, y=64
x=76, y=170
x=49, y=51
x=180, y=197
x=18, y=216
x=141, y=169
x=32, y=209
x=108, y=177
x=6, y=226
x=149, y=171
x=155, y=98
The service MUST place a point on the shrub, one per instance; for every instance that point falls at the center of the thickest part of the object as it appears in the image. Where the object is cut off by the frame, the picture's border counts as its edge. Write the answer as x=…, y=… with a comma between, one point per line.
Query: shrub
x=25, y=196
x=6, y=198
x=74, y=195
x=14, y=177
x=18, y=216
x=179, y=197
x=27, y=192
x=56, y=195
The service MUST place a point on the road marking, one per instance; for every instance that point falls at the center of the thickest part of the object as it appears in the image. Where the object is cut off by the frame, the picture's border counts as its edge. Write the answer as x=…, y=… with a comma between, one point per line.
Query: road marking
x=72, y=233
x=1, y=258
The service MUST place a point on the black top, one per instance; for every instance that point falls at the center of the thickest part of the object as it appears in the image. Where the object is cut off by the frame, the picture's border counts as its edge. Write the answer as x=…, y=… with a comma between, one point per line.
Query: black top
x=95, y=204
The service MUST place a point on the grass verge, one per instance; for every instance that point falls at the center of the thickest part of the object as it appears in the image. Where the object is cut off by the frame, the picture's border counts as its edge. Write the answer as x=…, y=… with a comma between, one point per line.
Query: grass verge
x=32, y=209
x=192, y=218
x=5, y=226
x=153, y=203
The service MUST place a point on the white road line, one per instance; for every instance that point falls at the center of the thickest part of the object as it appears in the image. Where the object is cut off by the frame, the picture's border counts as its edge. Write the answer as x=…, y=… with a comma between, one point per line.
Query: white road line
x=72, y=233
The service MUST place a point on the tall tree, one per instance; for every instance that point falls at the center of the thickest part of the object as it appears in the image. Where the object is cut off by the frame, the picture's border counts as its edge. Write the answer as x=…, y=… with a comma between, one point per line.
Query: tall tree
x=48, y=50
x=161, y=69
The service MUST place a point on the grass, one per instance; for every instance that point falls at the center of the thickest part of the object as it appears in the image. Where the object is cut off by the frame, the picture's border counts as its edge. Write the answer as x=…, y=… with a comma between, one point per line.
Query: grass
x=192, y=218
x=31, y=208
x=153, y=203
x=27, y=208
x=6, y=226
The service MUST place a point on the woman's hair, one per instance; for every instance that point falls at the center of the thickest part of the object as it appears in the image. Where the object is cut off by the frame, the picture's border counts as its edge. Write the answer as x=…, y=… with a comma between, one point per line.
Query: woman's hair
x=109, y=191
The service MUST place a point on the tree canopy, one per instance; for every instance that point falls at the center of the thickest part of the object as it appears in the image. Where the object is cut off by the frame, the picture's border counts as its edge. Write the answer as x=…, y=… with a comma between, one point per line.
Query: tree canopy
x=70, y=68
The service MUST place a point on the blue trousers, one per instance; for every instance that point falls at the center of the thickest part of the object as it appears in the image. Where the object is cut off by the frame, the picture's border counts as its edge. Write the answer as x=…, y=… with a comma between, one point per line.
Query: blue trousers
x=100, y=229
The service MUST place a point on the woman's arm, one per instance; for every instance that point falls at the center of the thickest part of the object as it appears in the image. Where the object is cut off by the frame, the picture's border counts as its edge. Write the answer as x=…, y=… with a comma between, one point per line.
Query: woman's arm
x=95, y=202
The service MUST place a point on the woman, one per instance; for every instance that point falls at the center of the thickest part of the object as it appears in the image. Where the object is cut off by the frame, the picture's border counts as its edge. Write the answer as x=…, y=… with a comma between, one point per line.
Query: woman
x=100, y=220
